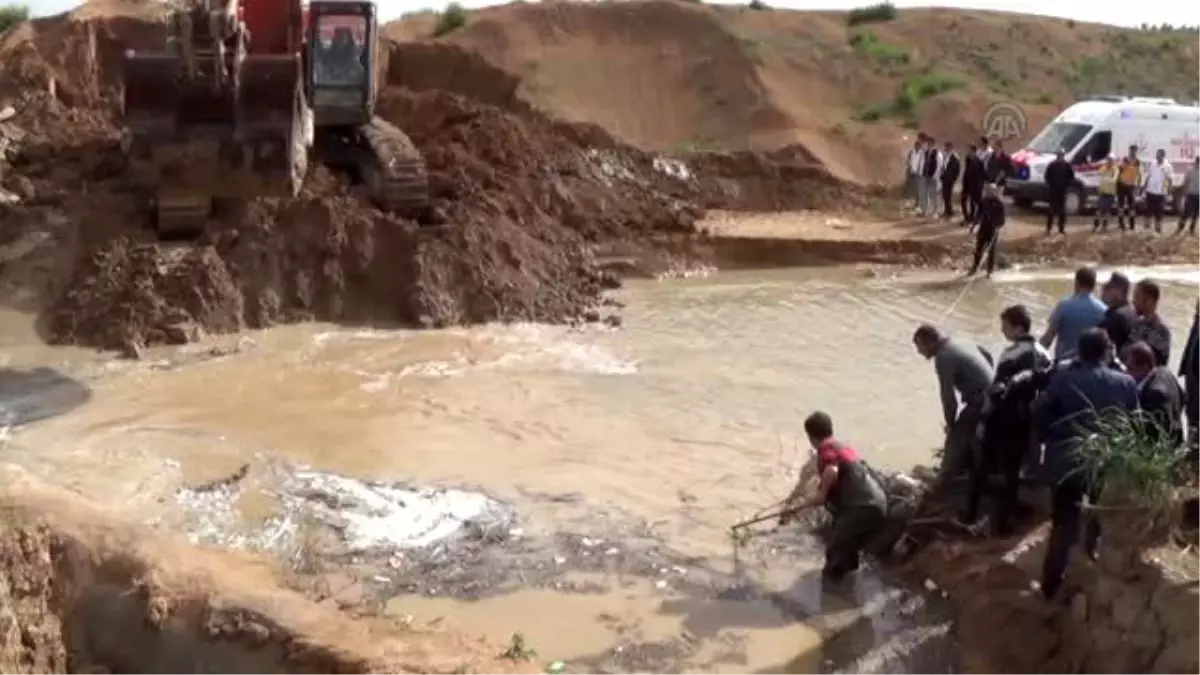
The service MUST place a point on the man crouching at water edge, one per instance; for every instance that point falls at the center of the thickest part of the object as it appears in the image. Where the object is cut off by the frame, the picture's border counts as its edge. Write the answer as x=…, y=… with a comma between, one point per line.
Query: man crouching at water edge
x=853, y=497
x=965, y=373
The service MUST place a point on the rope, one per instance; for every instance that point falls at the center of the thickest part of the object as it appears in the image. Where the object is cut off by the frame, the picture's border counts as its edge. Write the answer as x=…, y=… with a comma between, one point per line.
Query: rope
x=971, y=282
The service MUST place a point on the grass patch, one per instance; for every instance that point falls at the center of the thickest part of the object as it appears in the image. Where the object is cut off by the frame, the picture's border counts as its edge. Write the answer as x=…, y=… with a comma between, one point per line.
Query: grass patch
x=1135, y=460
x=916, y=89
x=877, y=13
x=11, y=15
x=518, y=649
x=869, y=45
x=451, y=19
x=913, y=91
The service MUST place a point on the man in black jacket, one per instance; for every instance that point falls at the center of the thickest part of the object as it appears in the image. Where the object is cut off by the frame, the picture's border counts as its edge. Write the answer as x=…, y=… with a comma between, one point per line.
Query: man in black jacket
x=1159, y=394
x=998, y=165
x=1007, y=437
x=1189, y=370
x=987, y=238
x=1120, y=316
x=973, y=178
x=1059, y=179
x=950, y=170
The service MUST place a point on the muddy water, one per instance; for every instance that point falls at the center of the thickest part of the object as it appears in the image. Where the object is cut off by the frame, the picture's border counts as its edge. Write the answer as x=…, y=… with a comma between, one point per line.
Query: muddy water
x=681, y=422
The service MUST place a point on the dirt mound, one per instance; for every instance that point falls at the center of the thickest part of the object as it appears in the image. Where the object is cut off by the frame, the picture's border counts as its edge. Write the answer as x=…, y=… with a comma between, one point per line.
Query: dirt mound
x=688, y=76
x=82, y=592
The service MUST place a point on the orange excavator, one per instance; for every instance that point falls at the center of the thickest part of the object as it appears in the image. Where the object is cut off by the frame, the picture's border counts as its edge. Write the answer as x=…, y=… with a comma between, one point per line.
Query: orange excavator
x=245, y=94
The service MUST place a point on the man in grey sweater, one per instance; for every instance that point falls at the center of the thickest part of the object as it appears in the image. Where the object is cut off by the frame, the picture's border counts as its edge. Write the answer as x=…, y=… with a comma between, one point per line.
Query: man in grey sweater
x=964, y=374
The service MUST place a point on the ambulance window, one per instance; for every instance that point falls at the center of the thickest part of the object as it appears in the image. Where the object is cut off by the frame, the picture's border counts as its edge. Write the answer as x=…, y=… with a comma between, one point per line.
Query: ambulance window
x=1098, y=147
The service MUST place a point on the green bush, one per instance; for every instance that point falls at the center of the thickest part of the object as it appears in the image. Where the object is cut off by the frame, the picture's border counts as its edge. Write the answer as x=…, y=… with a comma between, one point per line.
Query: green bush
x=451, y=19
x=916, y=89
x=11, y=15
x=868, y=45
x=1135, y=460
x=759, y=5
x=877, y=13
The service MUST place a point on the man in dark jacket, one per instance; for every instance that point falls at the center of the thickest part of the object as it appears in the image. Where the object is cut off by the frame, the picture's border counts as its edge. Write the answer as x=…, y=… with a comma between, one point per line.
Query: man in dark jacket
x=1059, y=179
x=1159, y=394
x=1120, y=316
x=950, y=170
x=973, y=178
x=1149, y=326
x=998, y=165
x=987, y=238
x=1189, y=370
x=1066, y=413
x=1007, y=430
x=848, y=490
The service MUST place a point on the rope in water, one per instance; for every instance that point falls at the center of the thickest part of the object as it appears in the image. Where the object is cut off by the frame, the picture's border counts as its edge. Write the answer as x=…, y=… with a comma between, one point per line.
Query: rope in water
x=970, y=282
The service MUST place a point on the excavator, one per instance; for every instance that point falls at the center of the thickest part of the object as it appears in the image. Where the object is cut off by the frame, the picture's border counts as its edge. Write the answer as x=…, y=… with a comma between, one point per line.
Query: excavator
x=245, y=95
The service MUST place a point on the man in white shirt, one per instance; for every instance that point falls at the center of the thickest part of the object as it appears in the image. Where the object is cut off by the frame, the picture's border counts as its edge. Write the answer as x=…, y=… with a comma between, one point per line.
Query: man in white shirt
x=985, y=149
x=1156, y=185
x=912, y=170
x=930, y=170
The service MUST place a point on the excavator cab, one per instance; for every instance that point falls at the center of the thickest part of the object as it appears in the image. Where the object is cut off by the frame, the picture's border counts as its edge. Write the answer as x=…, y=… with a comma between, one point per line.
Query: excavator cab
x=341, y=62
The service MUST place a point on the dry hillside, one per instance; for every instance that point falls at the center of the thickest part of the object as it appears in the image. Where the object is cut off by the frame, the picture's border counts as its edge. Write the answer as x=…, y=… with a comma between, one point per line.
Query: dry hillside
x=680, y=75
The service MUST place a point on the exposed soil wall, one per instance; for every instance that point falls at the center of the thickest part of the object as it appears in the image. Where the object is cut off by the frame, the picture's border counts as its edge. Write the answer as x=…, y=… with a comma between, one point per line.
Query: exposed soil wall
x=81, y=591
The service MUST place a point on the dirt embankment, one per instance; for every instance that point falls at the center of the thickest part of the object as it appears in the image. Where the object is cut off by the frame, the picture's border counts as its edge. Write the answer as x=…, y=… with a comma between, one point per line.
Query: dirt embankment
x=671, y=75
x=83, y=592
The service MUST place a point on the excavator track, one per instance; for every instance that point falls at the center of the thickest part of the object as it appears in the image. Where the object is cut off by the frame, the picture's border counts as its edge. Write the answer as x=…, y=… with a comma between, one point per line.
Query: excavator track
x=394, y=171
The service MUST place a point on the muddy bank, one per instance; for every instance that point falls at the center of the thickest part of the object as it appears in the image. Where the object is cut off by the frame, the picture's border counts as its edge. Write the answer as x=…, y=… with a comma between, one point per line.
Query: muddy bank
x=81, y=591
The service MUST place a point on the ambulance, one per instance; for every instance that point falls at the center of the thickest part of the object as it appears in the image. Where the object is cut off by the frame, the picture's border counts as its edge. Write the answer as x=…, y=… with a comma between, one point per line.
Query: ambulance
x=1090, y=131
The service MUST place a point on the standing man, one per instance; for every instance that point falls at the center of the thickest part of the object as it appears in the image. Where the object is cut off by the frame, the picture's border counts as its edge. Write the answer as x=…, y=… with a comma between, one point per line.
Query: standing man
x=1059, y=179
x=1159, y=394
x=973, y=180
x=1120, y=316
x=999, y=165
x=1106, y=197
x=913, y=160
x=991, y=221
x=1007, y=433
x=1073, y=315
x=963, y=375
x=951, y=167
x=1066, y=413
x=931, y=166
x=1129, y=178
x=985, y=149
x=853, y=497
x=1191, y=198
x=1189, y=370
x=1157, y=185
x=1149, y=327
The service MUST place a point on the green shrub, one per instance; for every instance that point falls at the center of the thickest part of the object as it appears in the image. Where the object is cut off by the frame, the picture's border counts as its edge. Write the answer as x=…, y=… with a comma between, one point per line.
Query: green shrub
x=759, y=5
x=877, y=13
x=1133, y=458
x=916, y=89
x=11, y=15
x=451, y=19
x=867, y=44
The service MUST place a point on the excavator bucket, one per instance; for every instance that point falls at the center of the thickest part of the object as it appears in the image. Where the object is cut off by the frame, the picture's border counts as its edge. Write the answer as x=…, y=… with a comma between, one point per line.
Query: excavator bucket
x=193, y=137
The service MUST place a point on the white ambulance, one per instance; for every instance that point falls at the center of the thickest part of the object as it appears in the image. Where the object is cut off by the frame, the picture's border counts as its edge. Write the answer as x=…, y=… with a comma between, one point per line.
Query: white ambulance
x=1090, y=131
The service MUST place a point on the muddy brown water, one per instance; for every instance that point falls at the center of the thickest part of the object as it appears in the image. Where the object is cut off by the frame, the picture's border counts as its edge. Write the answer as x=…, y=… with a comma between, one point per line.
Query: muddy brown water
x=684, y=420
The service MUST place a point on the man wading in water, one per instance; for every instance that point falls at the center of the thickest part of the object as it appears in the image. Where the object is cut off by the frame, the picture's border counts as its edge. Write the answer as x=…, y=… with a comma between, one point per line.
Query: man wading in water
x=848, y=490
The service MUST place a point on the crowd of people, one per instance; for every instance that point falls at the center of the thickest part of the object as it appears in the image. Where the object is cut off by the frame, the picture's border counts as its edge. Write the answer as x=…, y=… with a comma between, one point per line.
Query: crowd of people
x=1024, y=415
x=932, y=175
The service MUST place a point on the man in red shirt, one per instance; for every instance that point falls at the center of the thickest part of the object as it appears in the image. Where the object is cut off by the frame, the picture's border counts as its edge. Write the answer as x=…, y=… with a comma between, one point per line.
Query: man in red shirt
x=848, y=490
